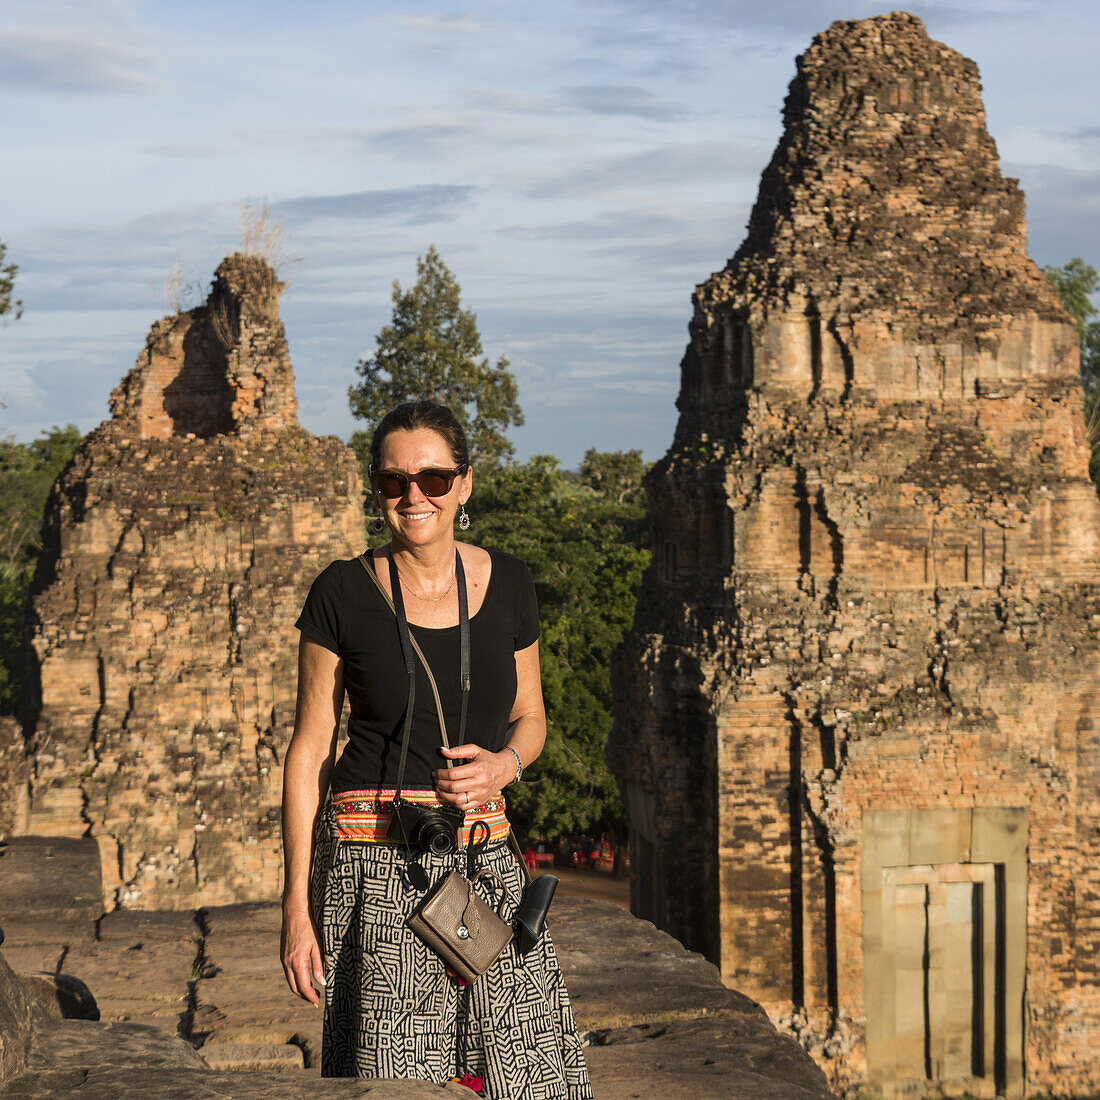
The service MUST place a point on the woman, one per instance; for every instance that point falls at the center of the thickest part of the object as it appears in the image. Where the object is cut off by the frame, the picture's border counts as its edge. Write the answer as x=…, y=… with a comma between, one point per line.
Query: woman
x=392, y=1009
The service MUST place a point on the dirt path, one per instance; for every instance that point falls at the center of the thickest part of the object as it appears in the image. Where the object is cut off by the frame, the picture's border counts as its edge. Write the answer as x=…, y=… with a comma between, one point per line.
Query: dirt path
x=593, y=884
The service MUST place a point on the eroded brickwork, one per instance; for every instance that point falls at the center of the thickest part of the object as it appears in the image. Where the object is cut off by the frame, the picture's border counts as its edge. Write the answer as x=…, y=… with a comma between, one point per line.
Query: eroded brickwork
x=14, y=779
x=876, y=588
x=179, y=546
x=221, y=368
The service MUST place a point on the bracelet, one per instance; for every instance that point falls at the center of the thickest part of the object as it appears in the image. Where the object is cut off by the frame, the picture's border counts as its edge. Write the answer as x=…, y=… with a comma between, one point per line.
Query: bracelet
x=519, y=763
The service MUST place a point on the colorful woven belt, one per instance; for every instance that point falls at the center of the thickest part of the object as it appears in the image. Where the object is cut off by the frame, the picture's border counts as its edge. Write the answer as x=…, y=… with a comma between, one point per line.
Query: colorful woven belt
x=365, y=815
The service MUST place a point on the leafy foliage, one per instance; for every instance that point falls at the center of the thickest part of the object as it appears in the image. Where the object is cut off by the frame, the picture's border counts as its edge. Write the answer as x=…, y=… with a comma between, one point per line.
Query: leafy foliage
x=8, y=308
x=27, y=472
x=587, y=547
x=432, y=348
x=1075, y=281
x=615, y=474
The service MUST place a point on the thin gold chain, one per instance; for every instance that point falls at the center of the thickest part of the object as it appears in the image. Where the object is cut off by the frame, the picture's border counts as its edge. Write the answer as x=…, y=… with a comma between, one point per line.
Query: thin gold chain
x=432, y=599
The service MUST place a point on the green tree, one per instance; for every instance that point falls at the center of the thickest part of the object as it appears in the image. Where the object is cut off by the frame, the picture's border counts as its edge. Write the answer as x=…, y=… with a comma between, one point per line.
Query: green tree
x=615, y=474
x=27, y=473
x=1075, y=282
x=8, y=308
x=432, y=348
x=587, y=547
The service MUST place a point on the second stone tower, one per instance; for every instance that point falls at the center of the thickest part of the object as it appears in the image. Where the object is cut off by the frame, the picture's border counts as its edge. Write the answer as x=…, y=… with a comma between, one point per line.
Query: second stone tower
x=178, y=548
x=857, y=714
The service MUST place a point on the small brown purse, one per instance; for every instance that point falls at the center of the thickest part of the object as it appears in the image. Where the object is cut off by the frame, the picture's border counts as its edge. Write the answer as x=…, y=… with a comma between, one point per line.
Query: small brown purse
x=460, y=927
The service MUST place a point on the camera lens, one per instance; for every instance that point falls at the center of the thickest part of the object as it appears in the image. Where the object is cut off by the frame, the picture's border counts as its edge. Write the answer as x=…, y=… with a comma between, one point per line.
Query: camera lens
x=437, y=838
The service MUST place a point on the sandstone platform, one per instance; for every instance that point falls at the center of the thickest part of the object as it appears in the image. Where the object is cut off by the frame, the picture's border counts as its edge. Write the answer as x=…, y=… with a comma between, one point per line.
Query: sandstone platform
x=193, y=1003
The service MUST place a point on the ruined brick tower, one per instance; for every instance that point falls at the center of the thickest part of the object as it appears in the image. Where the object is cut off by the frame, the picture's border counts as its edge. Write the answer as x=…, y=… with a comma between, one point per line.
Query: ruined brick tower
x=179, y=546
x=858, y=717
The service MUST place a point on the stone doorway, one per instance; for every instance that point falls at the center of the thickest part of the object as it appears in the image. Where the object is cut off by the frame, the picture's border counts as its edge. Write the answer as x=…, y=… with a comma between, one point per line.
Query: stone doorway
x=944, y=951
x=942, y=933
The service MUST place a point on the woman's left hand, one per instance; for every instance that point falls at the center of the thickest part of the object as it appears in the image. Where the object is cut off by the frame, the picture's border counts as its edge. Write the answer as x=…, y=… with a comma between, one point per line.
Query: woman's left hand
x=473, y=783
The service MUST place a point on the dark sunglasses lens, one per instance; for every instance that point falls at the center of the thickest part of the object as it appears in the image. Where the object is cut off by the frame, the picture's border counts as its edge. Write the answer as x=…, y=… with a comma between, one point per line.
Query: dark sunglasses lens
x=391, y=485
x=435, y=483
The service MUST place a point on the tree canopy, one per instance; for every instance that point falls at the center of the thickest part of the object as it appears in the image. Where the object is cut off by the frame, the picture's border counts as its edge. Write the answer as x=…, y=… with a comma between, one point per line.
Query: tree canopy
x=587, y=547
x=1075, y=281
x=615, y=474
x=8, y=307
x=432, y=349
x=27, y=473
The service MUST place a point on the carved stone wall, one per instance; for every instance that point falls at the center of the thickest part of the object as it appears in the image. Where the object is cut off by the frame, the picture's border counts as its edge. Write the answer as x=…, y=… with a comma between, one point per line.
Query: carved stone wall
x=14, y=779
x=857, y=715
x=179, y=546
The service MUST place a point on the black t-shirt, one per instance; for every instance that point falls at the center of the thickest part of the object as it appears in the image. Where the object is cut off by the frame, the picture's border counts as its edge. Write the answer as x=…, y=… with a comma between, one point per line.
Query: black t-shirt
x=345, y=613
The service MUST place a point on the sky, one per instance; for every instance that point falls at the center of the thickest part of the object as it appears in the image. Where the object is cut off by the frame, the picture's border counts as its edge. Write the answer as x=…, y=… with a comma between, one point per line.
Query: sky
x=580, y=166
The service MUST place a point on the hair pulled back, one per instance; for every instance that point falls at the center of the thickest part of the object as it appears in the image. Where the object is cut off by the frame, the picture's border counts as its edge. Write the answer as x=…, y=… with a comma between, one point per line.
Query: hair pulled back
x=411, y=415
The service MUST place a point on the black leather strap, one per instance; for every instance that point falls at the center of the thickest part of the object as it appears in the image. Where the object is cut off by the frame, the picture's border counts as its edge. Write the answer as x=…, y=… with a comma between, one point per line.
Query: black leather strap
x=399, y=612
x=410, y=669
x=479, y=837
x=463, y=645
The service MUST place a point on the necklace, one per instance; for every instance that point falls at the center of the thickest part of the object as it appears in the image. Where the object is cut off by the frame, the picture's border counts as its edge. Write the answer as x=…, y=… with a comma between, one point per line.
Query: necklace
x=434, y=599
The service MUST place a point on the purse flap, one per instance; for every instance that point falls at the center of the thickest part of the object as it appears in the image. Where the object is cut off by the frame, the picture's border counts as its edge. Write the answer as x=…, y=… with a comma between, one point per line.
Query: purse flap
x=459, y=916
x=444, y=910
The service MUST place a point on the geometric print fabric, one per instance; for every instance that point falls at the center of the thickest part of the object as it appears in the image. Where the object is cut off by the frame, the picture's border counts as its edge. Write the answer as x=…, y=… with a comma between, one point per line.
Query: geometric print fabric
x=391, y=1008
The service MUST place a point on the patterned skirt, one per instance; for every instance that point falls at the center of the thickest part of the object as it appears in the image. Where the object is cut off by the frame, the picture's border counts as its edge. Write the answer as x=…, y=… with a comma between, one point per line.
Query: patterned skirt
x=392, y=1009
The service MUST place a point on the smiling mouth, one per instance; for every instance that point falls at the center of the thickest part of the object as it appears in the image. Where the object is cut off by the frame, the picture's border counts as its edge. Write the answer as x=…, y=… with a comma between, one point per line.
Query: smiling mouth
x=417, y=517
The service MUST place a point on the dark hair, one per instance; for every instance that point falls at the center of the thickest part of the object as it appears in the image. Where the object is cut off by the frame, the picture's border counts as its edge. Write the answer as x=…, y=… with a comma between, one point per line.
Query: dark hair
x=411, y=415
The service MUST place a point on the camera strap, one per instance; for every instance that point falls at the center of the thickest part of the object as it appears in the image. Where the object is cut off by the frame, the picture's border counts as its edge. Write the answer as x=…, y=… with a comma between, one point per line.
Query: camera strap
x=409, y=646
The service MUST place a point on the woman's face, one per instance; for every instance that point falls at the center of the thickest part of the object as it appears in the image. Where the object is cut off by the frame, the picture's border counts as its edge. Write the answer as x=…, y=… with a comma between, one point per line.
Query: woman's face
x=416, y=519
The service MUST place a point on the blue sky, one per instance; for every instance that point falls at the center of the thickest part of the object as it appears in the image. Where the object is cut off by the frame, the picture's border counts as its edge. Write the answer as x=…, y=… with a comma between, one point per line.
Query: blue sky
x=579, y=165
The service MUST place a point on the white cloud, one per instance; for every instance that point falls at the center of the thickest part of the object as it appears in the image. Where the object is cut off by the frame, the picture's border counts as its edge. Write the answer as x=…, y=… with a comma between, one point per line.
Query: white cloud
x=443, y=23
x=418, y=205
x=426, y=140
x=623, y=99
x=580, y=166
x=74, y=60
x=512, y=101
x=810, y=16
x=1063, y=211
x=674, y=165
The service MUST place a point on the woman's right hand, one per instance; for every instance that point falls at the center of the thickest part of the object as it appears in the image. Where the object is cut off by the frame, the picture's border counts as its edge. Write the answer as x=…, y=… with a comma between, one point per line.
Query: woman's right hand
x=301, y=955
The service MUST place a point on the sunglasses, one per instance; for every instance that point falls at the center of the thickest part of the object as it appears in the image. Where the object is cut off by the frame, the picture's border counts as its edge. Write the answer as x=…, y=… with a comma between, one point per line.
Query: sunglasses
x=394, y=484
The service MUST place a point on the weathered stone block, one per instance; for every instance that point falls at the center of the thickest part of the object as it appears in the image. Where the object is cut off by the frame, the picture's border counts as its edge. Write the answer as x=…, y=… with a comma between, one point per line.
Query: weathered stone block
x=56, y=878
x=939, y=836
x=999, y=834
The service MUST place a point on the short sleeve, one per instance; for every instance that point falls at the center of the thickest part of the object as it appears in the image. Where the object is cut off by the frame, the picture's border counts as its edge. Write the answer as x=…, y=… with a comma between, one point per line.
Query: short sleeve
x=528, y=611
x=320, y=617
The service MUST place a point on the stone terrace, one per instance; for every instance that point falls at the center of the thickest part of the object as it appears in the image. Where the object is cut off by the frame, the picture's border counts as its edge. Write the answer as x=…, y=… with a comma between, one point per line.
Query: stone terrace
x=656, y=1017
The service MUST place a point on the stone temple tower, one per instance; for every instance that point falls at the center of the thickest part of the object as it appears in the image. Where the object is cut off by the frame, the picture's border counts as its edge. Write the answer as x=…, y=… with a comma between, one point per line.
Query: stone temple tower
x=179, y=546
x=858, y=716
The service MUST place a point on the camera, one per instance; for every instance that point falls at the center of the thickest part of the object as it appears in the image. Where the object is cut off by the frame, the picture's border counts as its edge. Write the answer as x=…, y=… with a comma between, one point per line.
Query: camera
x=433, y=828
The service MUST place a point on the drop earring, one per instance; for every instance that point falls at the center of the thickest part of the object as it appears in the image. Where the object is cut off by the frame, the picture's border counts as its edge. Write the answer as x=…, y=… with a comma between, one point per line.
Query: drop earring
x=463, y=519
x=376, y=525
